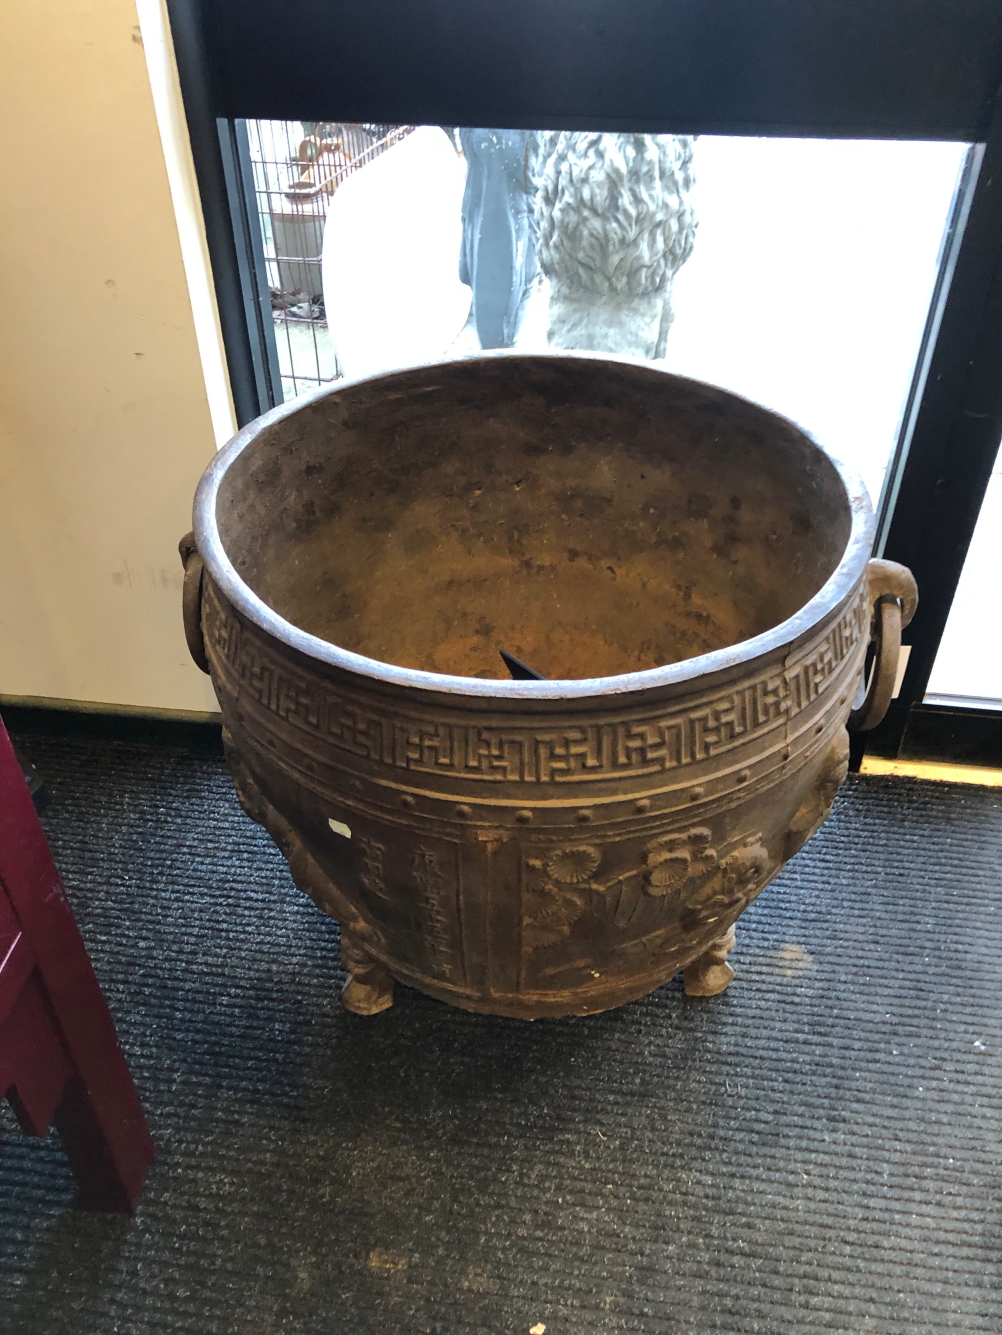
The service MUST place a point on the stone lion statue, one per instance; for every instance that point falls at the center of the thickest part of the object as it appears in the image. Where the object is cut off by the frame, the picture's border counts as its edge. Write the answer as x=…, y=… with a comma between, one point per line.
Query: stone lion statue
x=614, y=225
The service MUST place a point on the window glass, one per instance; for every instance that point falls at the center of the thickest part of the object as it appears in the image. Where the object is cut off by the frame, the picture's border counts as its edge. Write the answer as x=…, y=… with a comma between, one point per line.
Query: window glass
x=968, y=667
x=797, y=272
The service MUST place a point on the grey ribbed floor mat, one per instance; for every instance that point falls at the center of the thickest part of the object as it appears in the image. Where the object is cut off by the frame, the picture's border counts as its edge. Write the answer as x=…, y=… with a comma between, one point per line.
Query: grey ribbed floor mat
x=817, y=1150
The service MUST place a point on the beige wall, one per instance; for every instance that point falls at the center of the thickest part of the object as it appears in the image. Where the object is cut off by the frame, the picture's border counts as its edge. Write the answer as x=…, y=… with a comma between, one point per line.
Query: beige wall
x=104, y=423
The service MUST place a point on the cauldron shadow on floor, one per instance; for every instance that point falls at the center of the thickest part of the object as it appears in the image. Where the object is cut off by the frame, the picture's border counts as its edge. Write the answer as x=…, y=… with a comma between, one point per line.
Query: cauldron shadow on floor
x=426, y=1060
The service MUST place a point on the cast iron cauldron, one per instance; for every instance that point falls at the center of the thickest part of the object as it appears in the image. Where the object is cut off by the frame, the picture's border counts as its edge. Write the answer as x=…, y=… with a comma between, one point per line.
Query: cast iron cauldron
x=687, y=570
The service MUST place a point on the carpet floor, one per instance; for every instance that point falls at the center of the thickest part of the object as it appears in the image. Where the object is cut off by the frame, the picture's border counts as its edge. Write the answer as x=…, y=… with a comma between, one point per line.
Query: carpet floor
x=816, y=1150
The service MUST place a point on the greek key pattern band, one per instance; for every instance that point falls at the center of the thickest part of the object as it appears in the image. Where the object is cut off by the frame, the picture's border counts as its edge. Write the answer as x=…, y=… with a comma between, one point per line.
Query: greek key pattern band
x=564, y=754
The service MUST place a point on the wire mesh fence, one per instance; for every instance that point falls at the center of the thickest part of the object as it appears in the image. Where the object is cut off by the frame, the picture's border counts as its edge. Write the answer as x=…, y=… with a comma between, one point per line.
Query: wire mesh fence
x=297, y=167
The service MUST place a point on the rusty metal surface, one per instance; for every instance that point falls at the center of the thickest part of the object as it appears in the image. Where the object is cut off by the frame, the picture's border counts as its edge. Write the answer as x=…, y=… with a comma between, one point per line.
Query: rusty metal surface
x=551, y=847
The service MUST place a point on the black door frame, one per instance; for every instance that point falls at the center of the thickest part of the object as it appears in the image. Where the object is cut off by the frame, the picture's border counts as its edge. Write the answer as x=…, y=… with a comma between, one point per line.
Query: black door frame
x=904, y=69
x=944, y=459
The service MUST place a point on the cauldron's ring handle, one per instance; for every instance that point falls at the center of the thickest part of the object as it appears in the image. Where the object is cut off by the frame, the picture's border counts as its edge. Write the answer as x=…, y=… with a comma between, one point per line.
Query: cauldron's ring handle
x=894, y=598
x=191, y=600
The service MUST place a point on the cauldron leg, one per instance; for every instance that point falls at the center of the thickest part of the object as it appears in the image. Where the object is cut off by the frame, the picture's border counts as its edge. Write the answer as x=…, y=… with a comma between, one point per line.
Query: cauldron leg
x=710, y=973
x=369, y=988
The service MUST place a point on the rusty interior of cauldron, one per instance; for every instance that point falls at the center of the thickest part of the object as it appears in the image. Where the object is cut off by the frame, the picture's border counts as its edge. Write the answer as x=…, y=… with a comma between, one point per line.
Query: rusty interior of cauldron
x=590, y=517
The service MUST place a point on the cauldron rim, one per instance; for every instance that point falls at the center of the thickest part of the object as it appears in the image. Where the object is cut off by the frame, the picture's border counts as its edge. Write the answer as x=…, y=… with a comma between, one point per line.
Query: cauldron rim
x=832, y=594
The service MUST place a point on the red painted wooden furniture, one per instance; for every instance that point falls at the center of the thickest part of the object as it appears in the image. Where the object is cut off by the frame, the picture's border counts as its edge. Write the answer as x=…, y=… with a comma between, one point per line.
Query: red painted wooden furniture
x=60, y=1062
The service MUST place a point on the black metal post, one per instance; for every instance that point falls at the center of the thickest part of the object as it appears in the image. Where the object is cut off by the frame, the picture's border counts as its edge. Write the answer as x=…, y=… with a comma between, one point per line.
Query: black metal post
x=239, y=172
